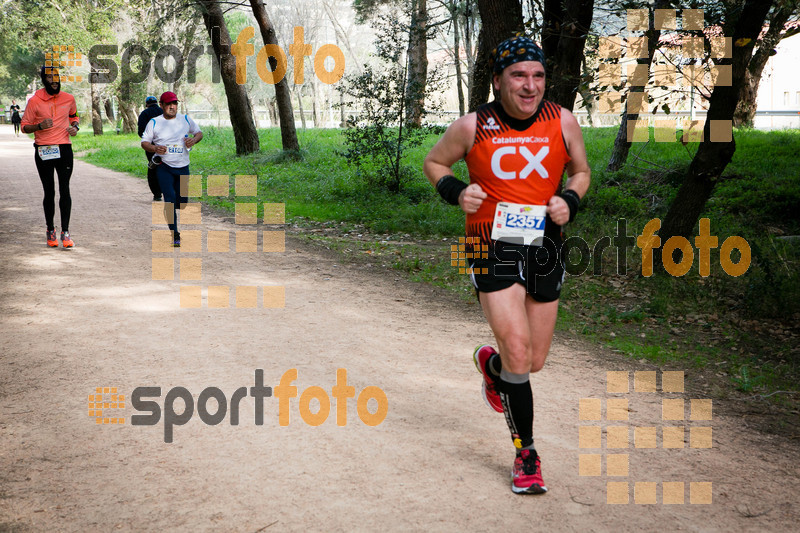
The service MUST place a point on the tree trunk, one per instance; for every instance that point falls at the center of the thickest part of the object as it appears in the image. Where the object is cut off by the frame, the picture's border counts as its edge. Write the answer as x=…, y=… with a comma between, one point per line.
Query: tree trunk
x=500, y=20
x=176, y=88
x=129, y=118
x=342, y=114
x=454, y=14
x=748, y=96
x=273, y=113
x=97, y=106
x=469, y=21
x=566, y=24
x=188, y=40
x=619, y=154
x=746, y=108
x=283, y=96
x=712, y=157
x=314, y=107
x=300, y=108
x=109, y=109
x=241, y=113
x=417, y=63
x=126, y=100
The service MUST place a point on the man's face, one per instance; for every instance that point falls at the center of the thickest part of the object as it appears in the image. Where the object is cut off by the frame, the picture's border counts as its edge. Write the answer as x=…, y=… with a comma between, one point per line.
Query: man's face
x=48, y=78
x=521, y=87
x=170, y=110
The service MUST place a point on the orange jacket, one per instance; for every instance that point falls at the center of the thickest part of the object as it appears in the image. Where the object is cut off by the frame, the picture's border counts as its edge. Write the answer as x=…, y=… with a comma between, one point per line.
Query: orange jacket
x=60, y=108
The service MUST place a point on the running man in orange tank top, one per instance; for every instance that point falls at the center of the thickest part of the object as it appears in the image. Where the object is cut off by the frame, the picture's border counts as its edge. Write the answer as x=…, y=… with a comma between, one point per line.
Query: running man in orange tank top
x=517, y=150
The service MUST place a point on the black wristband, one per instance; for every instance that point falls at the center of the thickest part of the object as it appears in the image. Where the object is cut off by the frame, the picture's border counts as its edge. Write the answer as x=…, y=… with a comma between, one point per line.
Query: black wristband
x=450, y=187
x=573, y=201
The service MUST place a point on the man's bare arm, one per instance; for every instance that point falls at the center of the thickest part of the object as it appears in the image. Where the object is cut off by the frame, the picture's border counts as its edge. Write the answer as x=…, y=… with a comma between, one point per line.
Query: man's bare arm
x=191, y=141
x=153, y=148
x=453, y=146
x=578, y=171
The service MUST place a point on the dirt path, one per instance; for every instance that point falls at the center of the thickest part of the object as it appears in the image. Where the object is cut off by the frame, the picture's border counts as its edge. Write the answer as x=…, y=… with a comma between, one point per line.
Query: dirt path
x=73, y=320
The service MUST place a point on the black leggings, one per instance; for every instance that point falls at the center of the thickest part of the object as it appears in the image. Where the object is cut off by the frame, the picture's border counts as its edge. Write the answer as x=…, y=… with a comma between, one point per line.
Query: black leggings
x=16, y=127
x=63, y=167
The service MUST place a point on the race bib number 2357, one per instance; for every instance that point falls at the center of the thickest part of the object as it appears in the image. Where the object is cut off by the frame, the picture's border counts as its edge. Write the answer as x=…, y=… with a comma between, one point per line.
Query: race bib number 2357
x=519, y=223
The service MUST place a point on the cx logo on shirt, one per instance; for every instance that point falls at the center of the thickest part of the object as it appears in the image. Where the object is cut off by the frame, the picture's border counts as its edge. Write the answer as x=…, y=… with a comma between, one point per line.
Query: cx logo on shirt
x=534, y=162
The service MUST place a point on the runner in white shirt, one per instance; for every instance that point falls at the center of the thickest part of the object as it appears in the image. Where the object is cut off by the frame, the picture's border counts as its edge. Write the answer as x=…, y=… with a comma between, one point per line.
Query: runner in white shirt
x=171, y=137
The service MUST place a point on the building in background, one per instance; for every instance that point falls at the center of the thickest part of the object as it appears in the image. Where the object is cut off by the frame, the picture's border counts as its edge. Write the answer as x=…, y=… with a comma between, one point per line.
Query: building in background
x=779, y=90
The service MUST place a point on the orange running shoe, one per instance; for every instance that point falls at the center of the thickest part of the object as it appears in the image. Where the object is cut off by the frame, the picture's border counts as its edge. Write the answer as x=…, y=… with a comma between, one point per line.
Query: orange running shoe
x=66, y=241
x=51, y=239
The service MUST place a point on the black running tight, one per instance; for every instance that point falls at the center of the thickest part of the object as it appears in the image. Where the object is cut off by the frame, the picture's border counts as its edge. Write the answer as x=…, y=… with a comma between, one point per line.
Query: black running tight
x=63, y=167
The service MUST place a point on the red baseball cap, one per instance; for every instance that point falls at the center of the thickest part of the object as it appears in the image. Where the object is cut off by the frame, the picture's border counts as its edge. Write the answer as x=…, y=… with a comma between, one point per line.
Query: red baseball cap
x=168, y=97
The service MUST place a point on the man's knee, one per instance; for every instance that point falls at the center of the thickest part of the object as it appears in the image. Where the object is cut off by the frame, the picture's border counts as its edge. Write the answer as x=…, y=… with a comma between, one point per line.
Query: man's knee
x=537, y=363
x=516, y=354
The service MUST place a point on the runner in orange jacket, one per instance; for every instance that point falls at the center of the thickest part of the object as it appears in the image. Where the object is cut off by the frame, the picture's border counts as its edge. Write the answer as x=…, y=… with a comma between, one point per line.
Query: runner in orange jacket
x=52, y=117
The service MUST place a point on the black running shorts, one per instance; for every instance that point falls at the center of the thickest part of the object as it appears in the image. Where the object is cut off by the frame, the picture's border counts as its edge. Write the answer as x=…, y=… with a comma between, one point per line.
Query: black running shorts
x=539, y=268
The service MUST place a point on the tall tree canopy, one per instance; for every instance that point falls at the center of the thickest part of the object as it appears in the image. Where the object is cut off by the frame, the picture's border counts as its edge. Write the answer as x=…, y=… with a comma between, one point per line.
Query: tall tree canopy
x=566, y=25
x=241, y=112
x=743, y=23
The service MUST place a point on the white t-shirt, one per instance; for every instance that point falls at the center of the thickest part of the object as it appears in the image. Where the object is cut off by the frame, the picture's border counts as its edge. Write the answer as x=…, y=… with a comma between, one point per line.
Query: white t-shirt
x=171, y=133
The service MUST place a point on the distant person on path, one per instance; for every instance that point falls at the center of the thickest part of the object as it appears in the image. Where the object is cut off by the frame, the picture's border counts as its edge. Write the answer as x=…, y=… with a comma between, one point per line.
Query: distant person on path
x=15, y=118
x=516, y=149
x=52, y=117
x=168, y=136
x=151, y=110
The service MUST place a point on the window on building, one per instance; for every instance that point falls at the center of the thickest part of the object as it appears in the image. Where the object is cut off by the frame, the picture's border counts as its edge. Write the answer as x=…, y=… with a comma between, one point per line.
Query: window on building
x=797, y=98
x=786, y=98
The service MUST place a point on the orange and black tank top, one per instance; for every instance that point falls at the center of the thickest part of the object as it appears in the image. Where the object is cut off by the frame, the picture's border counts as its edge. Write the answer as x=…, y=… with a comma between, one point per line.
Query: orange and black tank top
x=516, y=161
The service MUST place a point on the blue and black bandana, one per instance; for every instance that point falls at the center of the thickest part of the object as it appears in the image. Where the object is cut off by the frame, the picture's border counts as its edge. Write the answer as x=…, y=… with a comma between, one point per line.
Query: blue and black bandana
x=514, y=50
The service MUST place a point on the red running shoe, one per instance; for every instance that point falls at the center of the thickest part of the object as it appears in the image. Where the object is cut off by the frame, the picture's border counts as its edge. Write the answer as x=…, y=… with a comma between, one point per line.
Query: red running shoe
x=66, y=240
x=482, y=354
x=51, y=239
x=526, y=476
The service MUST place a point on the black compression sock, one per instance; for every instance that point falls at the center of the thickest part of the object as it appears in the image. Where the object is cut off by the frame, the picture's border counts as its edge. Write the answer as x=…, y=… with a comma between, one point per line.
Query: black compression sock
x=517, y=399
